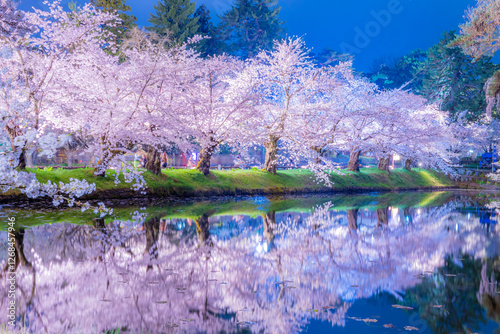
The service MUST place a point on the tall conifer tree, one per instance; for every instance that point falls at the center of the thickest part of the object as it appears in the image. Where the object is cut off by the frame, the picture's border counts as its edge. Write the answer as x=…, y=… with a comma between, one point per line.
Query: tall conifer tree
x=175, y=19
x=455, y=81
x=127, y=21
x=211, y=45
x=250, y=26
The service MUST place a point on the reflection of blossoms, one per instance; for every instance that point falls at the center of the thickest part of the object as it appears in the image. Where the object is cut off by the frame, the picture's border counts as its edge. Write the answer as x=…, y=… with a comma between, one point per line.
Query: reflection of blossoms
x=155, y=278
x=495, y=205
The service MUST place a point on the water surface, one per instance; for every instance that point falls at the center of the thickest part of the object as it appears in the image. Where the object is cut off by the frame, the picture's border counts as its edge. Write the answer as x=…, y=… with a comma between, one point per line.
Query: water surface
x=378, y=263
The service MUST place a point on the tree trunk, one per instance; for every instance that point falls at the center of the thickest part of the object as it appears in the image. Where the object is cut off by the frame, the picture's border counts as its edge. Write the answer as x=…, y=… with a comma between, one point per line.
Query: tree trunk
x=22, y=160
x=383, y=163
x=271, y=162
x=320, y=152
x=353, y=165
x=69, y=155
x=29, y=158
x=383, y=216
x=102, y=164
x=205, y=157
x=352, y=219
x=22, y=157
x=153, y=160
x=269, y=220
x=408, y=164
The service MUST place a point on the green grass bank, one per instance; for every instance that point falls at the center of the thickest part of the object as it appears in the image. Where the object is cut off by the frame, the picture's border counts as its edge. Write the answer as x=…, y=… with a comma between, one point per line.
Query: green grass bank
x=191, y=183
x=195, y=208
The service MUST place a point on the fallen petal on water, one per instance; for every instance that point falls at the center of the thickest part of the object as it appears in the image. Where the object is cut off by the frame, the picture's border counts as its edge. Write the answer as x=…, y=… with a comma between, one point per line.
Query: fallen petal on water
x=367, y=320
x=246, y=323
x=411, y=328
x=402, y=307
x=389, y=326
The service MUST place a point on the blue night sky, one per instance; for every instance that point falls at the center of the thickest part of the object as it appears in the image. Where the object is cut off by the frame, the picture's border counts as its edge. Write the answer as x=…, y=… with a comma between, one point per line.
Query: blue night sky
x=337, y=24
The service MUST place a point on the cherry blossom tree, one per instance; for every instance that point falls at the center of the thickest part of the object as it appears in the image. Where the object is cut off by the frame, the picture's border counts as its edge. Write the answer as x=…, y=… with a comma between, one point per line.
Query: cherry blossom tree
x=216, y=105
x=352, y=117
x=385, y=123
x=110, y=106
x=37, y=52
x=290, y=87
x=164, y=74
x=412, y=129
x=38, y=59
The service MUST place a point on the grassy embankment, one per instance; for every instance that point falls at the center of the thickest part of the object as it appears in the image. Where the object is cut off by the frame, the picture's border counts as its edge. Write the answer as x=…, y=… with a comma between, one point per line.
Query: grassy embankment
x=188, y=183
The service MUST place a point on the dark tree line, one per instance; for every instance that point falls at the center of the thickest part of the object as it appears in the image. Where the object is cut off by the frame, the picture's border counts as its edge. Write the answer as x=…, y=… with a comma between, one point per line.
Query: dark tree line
x=444, y=74
x=246, y=28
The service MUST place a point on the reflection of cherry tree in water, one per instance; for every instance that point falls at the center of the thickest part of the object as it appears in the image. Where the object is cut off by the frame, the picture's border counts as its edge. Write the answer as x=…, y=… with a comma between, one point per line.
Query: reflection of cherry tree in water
x=19, y=257
x=202, y=228
x=269, y=224
x=453, y=299
x=21, y=264
x=116, y=276
x=488, y=293
x=352, y=219
x=383, y=216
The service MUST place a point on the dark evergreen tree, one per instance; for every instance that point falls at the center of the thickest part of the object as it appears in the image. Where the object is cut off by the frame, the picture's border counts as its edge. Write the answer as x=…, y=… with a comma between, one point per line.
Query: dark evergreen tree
x=404, y=71
x=455, y=81
x=250, y=26
x=127, y=21
x=211, y=45
x=444, y=75
x=174, y=19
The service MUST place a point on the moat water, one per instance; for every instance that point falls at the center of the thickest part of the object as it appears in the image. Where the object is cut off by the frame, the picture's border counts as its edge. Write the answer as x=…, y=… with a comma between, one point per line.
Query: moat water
x=367, y=263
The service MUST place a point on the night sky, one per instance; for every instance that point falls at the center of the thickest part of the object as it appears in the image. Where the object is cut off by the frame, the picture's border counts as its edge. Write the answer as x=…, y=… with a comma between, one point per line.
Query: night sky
x=370, y=29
